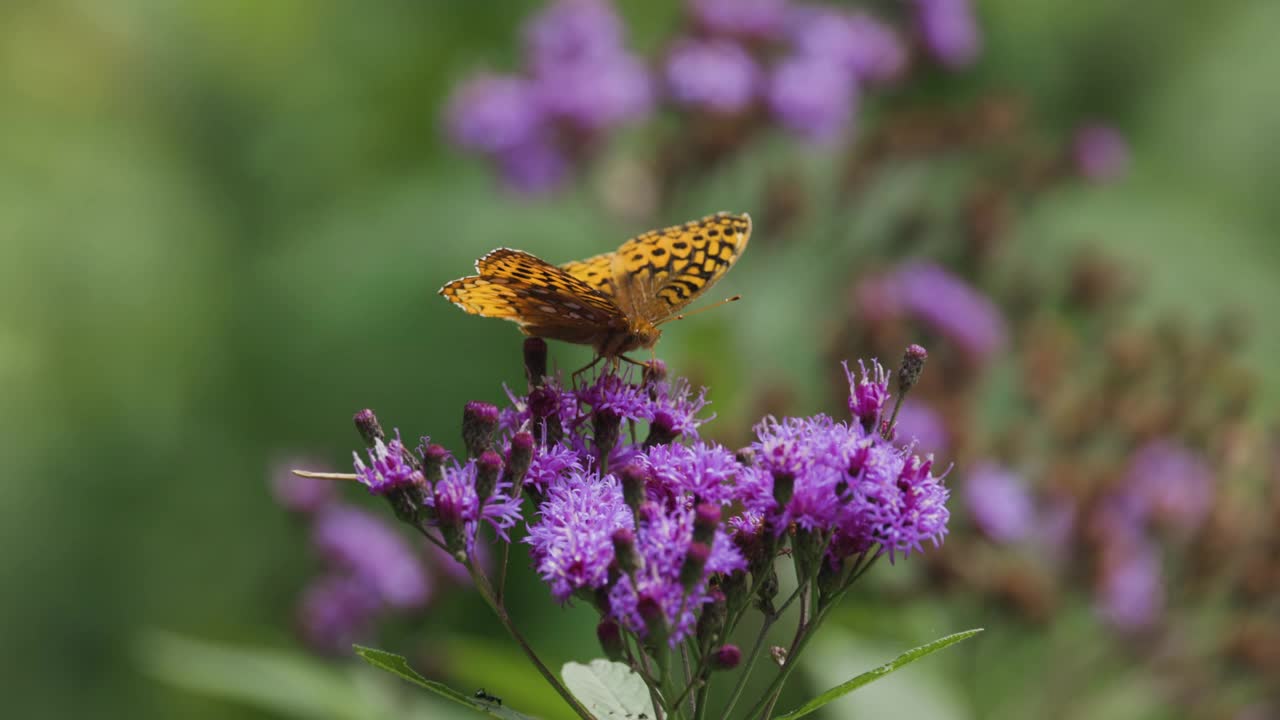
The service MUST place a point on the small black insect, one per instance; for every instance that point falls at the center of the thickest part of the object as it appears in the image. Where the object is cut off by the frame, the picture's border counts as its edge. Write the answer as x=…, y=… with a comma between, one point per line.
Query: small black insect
x=486, y=697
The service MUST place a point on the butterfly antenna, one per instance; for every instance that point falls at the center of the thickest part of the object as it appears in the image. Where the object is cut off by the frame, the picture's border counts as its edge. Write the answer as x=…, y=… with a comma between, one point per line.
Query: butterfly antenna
x=725, y=301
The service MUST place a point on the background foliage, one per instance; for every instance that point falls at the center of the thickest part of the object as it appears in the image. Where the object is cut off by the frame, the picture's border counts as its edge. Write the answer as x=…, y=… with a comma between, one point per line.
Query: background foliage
x=222, y=224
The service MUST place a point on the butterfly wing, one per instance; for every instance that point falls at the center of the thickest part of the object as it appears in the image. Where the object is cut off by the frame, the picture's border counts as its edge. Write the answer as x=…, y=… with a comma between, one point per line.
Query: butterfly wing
x=660, y=272
x=595, y=271
x=543, y=299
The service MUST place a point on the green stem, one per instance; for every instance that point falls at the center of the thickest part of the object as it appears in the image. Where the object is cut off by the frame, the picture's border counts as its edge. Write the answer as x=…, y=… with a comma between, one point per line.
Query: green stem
x=746, y=668
x=486, y=592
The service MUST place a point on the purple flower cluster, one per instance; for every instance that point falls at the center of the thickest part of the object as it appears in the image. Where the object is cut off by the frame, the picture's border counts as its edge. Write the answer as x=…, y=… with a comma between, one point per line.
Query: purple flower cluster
x=999, y=502
x=949, y=31
x=945, y=303
x=1100, y=153
x=579, y=83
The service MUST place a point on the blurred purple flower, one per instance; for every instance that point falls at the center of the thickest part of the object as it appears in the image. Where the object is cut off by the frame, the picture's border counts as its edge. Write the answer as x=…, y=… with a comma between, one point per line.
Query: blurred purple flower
x=870, y=50
x=300, y=494
x=1100, y=153
x=999, y=503
x=950, y=306
x=533, y=168
x=494, y=114
x=1172, y=481
x=812, y=97
x=596, y=95
x=922, y=425
x=749, y=18
x=949, y=31
x=715, y=75
x=1130, y=593
x=365, y=547
x=580, y=32
x=334, y=612
x=457, y=504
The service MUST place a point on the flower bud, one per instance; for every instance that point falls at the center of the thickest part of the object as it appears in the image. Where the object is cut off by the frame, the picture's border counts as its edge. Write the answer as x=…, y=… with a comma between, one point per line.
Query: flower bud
x=735, y=587
x=912, y=365
x=479, y=423
x=784, y=486
x=807, y=547
x=655, y=371
x=706, y=518
x=487, y=469
x=830, y=575
x=368, y=426
x=694, y=563
x=711, y=622
x=661, y=431
x=726, y=657
x=535, y=361
x=433, y=458
x=655, y=621
x=768, y=591
x=610, y=636
x=606, y=426
x=624, y=550
x=519, y=456
x=634, y=479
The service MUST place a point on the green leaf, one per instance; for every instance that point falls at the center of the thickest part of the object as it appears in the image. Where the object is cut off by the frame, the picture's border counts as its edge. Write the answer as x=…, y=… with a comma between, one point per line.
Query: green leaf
x=609, y=690
x=871, y=676
x=397, y=665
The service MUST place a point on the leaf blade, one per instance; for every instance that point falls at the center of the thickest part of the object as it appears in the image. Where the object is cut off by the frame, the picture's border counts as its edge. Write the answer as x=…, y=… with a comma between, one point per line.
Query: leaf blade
x=608, y=689
x=398, y=666
x=871, y=676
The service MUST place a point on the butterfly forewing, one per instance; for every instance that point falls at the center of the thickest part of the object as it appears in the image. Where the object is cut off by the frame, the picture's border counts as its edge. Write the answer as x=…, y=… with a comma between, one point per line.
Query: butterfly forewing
x=662, y=271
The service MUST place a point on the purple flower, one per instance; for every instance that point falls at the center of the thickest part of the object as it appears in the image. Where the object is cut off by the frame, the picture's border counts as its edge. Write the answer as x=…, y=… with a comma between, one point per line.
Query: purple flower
x=335, y=612
x=391, y=469
x=713, y=75
x=457, y=504
x=897, y=504
x=999, y=503
x=612, y=393
x=1100, y=153
x=533, y=168
x=750, y=18
x=572, y=539
x=1130, y=592
x=812, y=97
x=368, y=549
x=868, y=392
x=922, y=425
x=598, y=95
x=950, y=306
x=857, y=42
x=551, y=464
x=494, y=113
x=685, y=474
x=300, y=494
x=665, y=542
x=949, y=31
x=580, y=32
x=1172, y=481
x=674, y=408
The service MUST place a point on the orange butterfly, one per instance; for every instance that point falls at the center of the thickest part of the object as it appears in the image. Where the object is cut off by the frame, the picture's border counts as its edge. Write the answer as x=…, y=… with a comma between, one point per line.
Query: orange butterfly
x=615, y=301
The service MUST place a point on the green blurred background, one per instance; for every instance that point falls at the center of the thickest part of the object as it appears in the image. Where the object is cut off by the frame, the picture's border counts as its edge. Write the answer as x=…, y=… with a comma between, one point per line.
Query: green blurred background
x=223, y=222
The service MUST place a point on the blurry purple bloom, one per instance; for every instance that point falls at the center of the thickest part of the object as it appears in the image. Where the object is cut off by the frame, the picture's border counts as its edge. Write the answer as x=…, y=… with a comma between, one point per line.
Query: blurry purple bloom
x=714, y=75
x=812, y=97
x=391, y=469
x=999, y=503
x=870, y=50
x=951, y=306
x=1100, y=152
x=750, y=18
x=1172, y=481
x=597, y=95
x=1130, y=593
x=922, y=425
x=335, y=612
x=949, y=30
x=579, y=32
x=494, y=113
x=533, y=168
x=612, y=393
x=370, y=550
x=300, y=494
x=572, y=539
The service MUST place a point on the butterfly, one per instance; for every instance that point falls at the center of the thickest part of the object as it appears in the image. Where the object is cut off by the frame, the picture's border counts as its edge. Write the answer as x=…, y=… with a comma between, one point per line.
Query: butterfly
x=614, y=301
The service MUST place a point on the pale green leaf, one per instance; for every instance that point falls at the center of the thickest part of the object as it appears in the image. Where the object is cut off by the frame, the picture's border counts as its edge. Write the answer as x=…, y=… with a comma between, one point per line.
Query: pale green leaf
x=609, y=690
x=397, y=665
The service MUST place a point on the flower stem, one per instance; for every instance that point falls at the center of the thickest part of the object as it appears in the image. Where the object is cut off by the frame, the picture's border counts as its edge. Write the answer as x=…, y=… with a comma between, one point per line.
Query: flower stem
x=748, y=666
x=486, y=592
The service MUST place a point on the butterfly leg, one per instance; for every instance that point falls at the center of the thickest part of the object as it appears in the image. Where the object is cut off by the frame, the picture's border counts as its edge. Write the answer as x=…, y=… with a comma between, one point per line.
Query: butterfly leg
x=584, y=369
